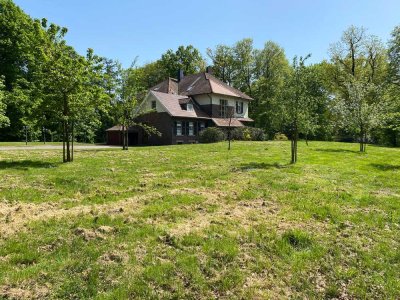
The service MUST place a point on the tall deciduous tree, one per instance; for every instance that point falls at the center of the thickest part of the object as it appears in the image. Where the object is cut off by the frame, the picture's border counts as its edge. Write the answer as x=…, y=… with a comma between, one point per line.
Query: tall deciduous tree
x=299, y=99
x=223, y=62
x=394, y=56
x=188, y=59
x=70, y=92
x=359, y=67
x=4, y=121
x=271, y=69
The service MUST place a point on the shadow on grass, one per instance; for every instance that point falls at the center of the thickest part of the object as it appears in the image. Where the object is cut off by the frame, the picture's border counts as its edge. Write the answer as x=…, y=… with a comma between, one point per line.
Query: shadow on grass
x=26, y=164
x=337, y=150
x=385, y=167
x=257, y=166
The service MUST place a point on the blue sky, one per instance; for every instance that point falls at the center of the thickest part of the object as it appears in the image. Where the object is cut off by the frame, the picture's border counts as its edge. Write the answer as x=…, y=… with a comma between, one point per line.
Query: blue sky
x=124, y=29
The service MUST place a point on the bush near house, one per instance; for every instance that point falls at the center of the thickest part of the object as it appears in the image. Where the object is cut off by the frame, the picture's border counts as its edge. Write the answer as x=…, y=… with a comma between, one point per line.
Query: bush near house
x=211, y=135
x=248, y=134
x=280, y=137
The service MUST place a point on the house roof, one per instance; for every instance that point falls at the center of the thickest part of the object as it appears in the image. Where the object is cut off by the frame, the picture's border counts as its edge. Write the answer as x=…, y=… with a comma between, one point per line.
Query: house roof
x=115, y=128
x=223, y=122
x=172, y=105
x=196, y=84
x=169, y=86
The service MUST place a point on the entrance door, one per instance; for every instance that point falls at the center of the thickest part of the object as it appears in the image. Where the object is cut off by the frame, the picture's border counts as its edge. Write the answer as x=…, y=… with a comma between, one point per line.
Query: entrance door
x=133, y=138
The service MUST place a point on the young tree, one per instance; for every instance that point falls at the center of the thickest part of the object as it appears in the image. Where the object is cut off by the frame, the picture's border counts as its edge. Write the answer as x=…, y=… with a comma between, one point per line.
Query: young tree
x=361, y=111
x=300, y=96
x=71, y=87
x=128, y=107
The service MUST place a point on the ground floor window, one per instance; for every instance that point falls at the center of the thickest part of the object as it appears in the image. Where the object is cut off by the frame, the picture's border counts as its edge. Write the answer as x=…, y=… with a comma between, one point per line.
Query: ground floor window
x=178, y=128
x=202, y=126
x=191, y=128
x=188, y=128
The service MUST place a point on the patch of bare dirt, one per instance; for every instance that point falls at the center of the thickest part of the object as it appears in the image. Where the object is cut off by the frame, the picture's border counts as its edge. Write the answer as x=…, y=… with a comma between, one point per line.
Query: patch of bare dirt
x=246, y=212
x=28, y=290
x=14, y=217
x=114, y=257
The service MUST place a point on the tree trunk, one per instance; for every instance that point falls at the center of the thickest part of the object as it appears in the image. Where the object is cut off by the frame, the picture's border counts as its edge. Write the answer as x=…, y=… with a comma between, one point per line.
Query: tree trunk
x=294, y=148
x=292, y=151
x=72, y=141
x=63, y=140
x=67, y=133
x=124, y=138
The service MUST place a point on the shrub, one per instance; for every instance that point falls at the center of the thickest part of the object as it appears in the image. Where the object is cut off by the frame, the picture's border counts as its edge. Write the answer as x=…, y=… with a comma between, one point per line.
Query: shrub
x=280, y=137
x=211, y=135
x=248, y=134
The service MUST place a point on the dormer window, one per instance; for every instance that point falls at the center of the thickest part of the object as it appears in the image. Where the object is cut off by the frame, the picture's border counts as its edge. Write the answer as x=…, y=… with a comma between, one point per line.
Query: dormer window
x=153, y=105
x=189, y=107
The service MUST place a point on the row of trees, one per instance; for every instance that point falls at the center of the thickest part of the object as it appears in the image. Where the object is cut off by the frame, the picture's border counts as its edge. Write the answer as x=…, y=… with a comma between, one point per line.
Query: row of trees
x=45, y=83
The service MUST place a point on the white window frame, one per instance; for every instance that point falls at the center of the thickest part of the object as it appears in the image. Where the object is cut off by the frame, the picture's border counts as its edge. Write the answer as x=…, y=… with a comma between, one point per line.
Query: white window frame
x=223, y=108
x=191, y=128
x=178, y=128
x=155, y=104
x=239, y=107
x=189, y=107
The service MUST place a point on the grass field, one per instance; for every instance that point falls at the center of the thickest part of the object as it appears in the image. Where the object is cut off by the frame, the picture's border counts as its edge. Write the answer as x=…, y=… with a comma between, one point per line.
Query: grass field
x=23, y=144
x=199, y=222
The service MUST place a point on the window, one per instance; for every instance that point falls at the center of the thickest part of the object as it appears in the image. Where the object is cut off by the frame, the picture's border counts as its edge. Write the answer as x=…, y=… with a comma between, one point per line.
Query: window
x=202, y=126
x=153, y=105
x=223, y=107
x=239, y=107
x=178, y=128
x=191, y=128
x=189, y=107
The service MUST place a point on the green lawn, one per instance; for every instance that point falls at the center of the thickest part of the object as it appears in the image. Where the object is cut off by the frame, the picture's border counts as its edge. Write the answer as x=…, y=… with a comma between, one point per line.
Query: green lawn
x=199, y=222
x=23, y=144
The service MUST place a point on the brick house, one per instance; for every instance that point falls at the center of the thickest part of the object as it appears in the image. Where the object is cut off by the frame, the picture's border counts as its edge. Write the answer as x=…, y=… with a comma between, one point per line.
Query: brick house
x=181, y=108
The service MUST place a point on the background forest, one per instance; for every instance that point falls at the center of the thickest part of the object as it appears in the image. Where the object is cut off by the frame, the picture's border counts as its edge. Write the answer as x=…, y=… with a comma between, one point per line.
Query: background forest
x=48, y=90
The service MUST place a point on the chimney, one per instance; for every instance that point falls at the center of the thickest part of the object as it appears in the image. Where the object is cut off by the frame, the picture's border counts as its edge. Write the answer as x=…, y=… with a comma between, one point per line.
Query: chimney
x=180, y=75
x=209, y=70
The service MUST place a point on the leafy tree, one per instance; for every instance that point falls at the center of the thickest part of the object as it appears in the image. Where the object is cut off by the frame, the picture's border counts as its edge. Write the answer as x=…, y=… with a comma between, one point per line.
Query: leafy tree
x=300, y=95
x=359, y=66
x=188, y=59
x=244, y=57
x=128, y=107
x=361, y=111
x=70, y=90
x=392, y=118
x=4, y=121
x=394, y=56
x=223, y=62
x=21, y=45
x=271, y=69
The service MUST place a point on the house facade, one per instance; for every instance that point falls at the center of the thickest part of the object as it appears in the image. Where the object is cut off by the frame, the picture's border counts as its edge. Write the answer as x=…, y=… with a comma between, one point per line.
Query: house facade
x=181, y=108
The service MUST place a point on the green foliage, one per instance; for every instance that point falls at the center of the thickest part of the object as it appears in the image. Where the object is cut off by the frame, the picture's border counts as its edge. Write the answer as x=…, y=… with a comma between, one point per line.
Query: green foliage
x=211, y=135
x=248, y=134
x=300, y=97
x=121, y=226
x=4, y=121
x=188, y=59
x=280, y=137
